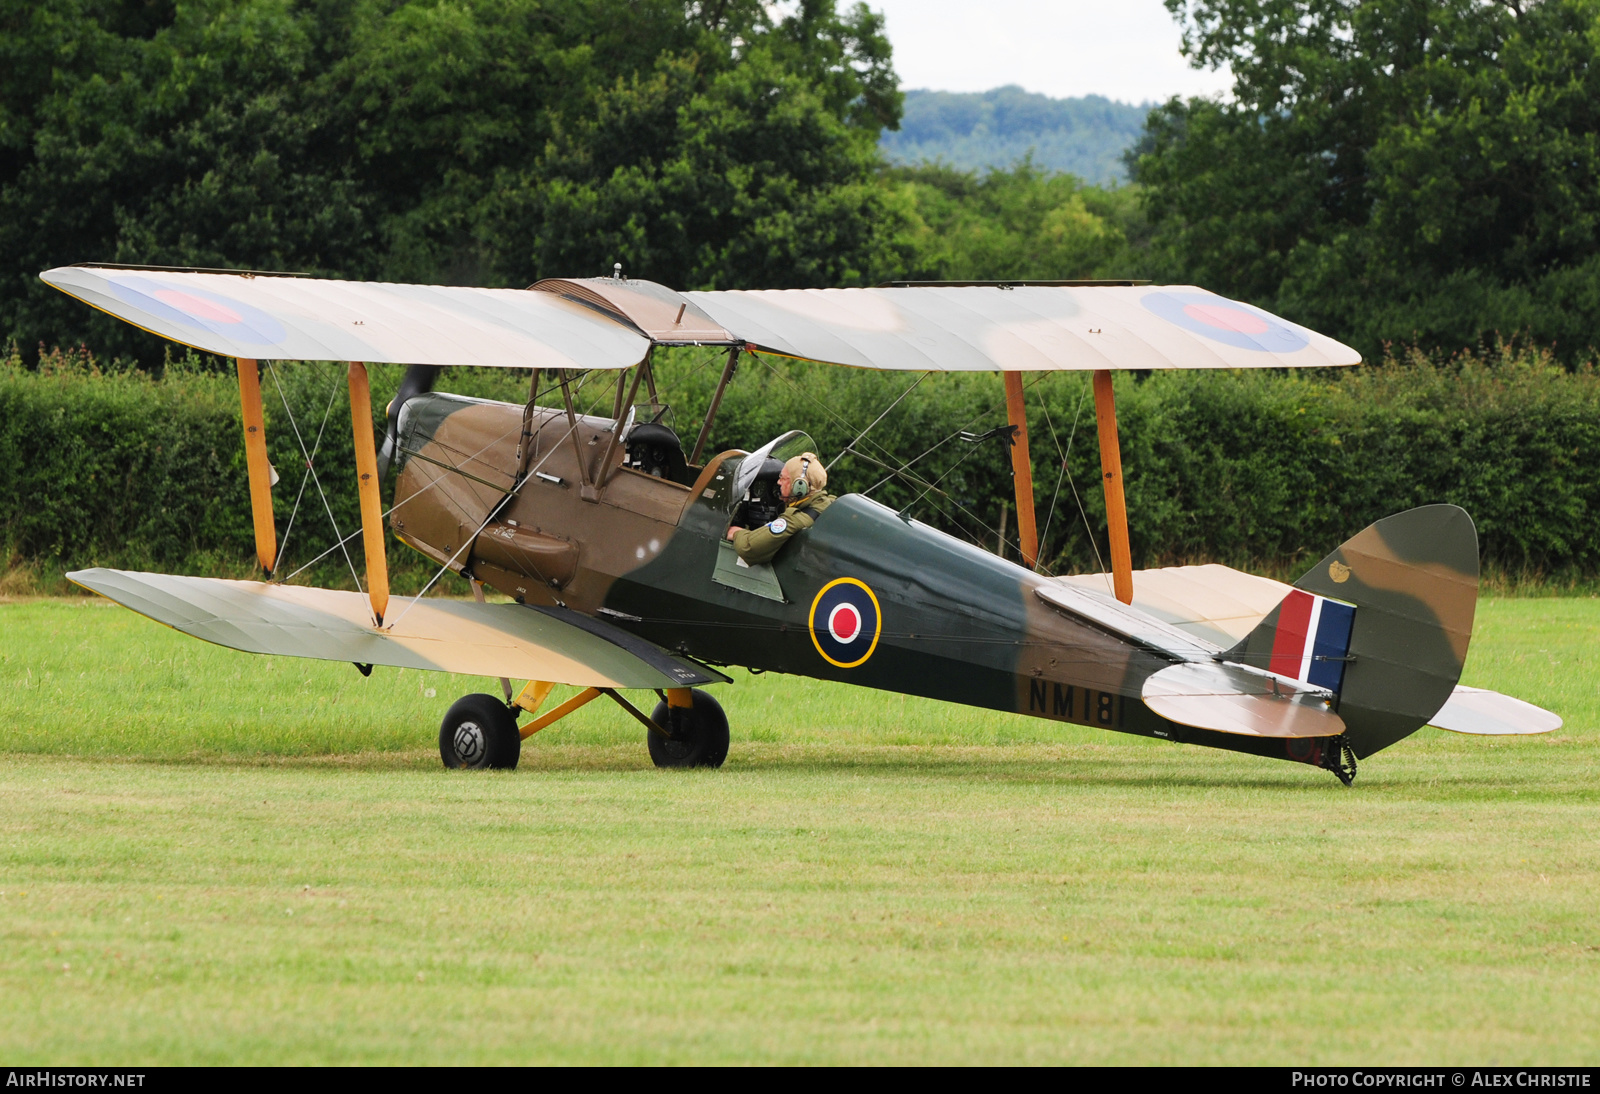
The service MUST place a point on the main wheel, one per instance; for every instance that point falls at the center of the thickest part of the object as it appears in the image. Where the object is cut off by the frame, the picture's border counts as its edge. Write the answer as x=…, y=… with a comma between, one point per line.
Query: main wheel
x=699, y=734
x=479, y=731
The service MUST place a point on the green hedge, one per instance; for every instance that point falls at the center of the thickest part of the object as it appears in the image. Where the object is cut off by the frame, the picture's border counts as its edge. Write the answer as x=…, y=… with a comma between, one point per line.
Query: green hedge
x=1261, y=470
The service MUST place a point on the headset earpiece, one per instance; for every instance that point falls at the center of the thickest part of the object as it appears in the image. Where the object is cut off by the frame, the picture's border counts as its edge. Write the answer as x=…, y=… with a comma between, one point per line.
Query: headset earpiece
x=800, y=488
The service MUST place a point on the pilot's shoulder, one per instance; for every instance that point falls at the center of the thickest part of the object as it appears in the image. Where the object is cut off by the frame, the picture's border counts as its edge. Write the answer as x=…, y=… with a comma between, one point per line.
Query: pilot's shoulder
x=816, y=505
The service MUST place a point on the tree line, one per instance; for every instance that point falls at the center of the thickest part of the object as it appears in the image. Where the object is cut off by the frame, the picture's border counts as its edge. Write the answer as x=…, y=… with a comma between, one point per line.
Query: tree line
x=1390, y=172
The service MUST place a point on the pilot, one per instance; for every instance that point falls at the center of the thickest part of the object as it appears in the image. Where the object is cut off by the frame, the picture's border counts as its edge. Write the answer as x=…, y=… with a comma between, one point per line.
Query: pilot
x=801, y=484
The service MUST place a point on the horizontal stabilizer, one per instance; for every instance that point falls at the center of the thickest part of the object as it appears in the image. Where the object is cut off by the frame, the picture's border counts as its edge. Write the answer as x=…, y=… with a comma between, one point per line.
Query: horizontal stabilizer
x=1229, y=699
x=511, y=640
x=1212, y=602
x=1490, y=714
x=1110, y=614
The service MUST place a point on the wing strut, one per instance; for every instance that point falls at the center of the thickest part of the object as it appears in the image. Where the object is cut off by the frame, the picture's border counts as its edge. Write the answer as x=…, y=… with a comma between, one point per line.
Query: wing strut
x=1105, y=413
x=255, y=455
x=1022, y=471
x=716, y=403
x=367, y=487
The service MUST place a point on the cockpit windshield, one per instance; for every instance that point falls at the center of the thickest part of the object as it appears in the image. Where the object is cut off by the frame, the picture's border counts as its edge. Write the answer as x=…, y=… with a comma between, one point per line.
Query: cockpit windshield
x=780, y=448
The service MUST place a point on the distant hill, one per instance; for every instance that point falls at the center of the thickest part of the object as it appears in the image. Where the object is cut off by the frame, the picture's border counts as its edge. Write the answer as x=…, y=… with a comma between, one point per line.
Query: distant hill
x=975, y=130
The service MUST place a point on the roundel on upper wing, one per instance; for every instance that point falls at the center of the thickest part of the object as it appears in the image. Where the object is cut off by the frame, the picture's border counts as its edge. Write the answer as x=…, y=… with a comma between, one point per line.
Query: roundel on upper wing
x=199, y=308
x=845, y=622
x=1226, y=321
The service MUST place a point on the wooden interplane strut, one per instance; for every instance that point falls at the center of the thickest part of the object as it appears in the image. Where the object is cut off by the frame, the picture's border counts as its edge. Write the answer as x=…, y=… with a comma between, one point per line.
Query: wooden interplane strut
x=1105, y=414
x=255, y=456
x=1022, y=471
x=367, y=486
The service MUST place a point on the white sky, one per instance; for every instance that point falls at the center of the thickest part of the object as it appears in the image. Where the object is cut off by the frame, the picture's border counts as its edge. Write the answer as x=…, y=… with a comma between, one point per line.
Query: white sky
x=1122, y=49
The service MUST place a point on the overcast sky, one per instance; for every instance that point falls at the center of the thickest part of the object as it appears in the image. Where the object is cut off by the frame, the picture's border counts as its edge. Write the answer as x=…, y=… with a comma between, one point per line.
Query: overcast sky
x=1122, y=49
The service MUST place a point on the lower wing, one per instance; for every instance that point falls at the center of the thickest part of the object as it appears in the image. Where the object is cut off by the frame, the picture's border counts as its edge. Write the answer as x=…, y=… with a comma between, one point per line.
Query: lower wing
x=555, y=645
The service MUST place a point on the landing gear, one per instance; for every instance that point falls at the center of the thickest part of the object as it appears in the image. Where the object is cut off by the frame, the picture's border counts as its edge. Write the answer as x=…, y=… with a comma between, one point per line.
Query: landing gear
x=699, y=734
x=481, y=731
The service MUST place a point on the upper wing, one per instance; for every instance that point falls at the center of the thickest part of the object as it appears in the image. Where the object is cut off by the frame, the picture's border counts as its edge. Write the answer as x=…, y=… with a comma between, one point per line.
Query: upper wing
x=560, y=647
x=610, y=322
x=309, y=319
x=987, y=328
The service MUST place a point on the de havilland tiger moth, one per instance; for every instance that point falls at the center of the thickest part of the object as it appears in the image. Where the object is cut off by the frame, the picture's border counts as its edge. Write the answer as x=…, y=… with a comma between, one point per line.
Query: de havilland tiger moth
x=612, y=538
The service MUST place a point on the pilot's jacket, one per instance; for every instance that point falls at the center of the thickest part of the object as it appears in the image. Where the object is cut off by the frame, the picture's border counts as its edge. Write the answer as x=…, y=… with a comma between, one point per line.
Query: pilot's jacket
x=762, y=544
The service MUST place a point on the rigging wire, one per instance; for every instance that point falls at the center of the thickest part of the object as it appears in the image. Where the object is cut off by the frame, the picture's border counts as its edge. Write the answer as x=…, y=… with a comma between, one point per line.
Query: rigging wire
x=1066, y=470
x=387, y=512
x=495, y=509
x=847, y=448
x=493, y=512
x=893, y=473
x=333, y=393
x=312, y=472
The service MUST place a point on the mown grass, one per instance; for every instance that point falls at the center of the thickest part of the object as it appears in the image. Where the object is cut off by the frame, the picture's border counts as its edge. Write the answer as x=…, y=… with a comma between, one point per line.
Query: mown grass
x=209, y=857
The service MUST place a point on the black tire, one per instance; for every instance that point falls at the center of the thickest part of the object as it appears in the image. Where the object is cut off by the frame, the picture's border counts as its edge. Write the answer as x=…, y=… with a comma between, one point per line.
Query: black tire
x=699, y=734
x=479, y=731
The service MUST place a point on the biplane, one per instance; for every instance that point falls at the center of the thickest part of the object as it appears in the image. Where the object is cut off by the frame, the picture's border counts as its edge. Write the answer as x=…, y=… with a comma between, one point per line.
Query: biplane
x=609, y=533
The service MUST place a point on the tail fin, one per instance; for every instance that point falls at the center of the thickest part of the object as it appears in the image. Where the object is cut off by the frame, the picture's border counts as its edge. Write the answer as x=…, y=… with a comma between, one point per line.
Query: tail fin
x=1412, y=580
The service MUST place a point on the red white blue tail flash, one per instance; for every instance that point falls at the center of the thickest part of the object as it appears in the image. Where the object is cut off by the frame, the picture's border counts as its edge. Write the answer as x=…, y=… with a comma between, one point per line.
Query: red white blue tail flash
x=1312, y=639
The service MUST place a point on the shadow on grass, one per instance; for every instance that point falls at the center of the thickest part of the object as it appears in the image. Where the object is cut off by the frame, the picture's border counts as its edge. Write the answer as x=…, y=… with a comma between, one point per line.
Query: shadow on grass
x=1457, y=778
x=1042, y=765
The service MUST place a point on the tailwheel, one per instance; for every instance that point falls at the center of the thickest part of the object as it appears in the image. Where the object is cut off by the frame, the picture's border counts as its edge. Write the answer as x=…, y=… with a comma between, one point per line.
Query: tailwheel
x=479, y=731
x=699, y=733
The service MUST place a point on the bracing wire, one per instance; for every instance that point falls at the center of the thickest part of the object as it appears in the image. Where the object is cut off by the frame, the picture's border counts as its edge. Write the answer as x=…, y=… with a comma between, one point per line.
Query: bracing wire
x=1088, y=528
x=467, y=541
x=893, y=474
x=387, y=512
x=495, y=509
x=878, y=419
x=333, y=393
x=311, y=470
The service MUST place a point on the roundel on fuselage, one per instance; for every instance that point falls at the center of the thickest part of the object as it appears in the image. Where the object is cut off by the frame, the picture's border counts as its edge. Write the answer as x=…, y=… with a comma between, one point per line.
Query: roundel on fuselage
x=845, y=622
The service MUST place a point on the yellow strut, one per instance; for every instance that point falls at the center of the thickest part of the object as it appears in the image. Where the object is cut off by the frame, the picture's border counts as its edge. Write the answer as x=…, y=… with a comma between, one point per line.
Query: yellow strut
x=367, y=483
x=255, y=457
x=1105, y=414
x=1022, y=471
x=583, y=697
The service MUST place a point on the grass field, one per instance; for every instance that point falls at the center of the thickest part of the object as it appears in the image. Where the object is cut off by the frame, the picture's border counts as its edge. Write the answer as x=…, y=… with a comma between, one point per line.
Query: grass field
x=213, y=858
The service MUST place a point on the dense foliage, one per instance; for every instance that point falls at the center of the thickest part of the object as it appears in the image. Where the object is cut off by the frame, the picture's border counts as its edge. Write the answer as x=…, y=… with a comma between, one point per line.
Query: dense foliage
x=1391, y=170
x=1016, y=224
x=1258, y=470
x=702, y=145
x=975, y=131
